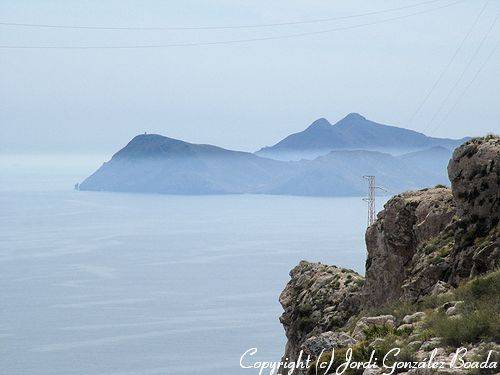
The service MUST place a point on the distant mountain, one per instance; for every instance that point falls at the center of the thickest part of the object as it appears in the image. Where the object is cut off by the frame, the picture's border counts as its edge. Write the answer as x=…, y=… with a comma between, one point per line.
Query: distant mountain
x=433, y=162
x=157, y=164
x=353, y=132
x=152, y=163
x=341, y=172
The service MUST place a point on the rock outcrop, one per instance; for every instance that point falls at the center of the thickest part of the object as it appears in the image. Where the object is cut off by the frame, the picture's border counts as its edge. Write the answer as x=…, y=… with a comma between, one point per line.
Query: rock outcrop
x=474, y=172
x=433, y=237
x=424, y=243
x=318, y=299
x=407, y=221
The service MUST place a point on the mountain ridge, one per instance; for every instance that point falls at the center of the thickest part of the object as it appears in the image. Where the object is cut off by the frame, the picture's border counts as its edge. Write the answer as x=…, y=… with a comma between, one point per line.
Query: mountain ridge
x=152, y=163
x=354, y=131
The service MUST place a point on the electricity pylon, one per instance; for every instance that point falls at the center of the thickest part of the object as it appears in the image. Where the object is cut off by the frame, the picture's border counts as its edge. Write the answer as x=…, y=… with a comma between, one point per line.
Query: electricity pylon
x=371, y=198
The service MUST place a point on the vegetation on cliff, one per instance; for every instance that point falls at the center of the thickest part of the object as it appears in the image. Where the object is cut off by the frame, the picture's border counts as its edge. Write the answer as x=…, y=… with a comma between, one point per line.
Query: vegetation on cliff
x=432, y=276
x=464, y=316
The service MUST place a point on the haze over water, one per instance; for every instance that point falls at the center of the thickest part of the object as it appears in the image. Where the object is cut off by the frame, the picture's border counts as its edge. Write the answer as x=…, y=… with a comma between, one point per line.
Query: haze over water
x=107, y=283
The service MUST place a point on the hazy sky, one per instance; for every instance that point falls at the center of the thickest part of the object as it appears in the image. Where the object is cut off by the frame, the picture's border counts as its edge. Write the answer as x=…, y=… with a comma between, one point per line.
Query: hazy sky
x=244, y=95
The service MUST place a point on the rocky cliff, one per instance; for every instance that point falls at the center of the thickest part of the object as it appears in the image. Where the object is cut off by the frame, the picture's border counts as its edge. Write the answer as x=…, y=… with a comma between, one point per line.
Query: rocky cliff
x=427, y=252
x=318, y=299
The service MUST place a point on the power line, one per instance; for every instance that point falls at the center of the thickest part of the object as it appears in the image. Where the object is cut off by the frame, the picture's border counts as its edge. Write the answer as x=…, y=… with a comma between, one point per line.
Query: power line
x=464, y=91
x=287, y=23
x=235, y=41
x=447, y=67
x=462, y=75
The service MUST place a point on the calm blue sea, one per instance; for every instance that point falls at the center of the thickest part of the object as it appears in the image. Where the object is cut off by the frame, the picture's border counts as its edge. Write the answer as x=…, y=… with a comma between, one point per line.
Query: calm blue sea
x=108, y=283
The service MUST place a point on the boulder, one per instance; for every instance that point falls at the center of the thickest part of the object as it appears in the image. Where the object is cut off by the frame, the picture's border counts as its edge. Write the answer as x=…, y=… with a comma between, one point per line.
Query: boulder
x=431, y=344
x=455, y=309
x=406, y=327
x=326, y=342
x=416, y=317
x=440, y=288
x=374, y=371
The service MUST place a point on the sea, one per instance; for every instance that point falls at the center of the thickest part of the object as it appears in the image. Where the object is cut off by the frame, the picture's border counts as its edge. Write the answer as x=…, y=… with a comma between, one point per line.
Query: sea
x=100, y=283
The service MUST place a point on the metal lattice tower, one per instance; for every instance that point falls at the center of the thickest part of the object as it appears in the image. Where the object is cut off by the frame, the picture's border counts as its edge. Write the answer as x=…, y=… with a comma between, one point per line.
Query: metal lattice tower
x=371, y=198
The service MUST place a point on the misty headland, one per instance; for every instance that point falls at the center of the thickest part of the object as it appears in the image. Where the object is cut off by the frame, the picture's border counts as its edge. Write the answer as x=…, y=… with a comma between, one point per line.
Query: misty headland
x=322, y=160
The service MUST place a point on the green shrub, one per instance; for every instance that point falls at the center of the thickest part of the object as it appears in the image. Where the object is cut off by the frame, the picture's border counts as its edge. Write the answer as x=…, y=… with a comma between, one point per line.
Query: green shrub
x=390, y=342
x=479, y=318
x=482, y=288
x=490, y=136
x=442, y=244
x=305, y=323
x=374, y=332
x=437, y=259
x=359, y=282
x=495, y=357
x=360, y=353
x=432, y=302
x=468, y=328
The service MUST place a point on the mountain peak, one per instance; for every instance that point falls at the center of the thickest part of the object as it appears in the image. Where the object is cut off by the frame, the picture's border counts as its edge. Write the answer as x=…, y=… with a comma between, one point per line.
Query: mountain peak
x=321, y=123
x=353, y=117
x=151, y=146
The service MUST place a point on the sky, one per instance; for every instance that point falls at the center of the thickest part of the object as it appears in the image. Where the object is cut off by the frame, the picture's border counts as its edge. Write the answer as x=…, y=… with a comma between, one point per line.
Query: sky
x=242, y=95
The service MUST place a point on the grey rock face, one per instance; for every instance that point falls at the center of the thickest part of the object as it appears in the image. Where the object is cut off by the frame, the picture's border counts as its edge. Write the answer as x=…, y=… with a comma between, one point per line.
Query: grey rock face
x=407, y=220
x=327, y=341
x=439, y=288
x=317, y=299
x=474, y=173
x=475, y=180
x=424, y=241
